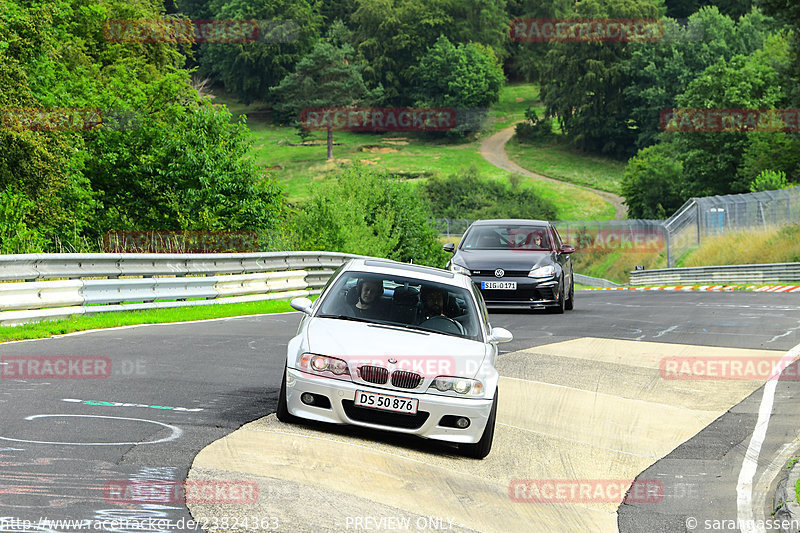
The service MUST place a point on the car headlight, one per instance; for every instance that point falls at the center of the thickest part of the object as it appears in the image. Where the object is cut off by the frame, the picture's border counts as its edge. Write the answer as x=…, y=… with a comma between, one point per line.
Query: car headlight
x=323, y=363
x=543, y=272
x=456, y=384
x=459, y=269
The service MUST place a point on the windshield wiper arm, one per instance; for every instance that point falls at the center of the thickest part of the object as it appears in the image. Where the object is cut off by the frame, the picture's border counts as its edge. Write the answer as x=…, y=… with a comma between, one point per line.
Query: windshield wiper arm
x=346, y=317
x=402, y=327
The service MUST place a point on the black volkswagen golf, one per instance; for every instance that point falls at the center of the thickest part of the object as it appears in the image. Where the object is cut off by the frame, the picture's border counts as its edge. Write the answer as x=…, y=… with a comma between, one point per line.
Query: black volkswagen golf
x=516, y=263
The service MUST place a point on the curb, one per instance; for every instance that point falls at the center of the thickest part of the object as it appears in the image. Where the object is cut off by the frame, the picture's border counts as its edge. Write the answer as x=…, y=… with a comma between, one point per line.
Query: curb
x=786, y=498
x=714, y=288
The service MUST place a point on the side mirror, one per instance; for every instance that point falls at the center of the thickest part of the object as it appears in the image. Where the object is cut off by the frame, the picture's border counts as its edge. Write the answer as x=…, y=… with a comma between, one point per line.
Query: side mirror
x=500, y=335
x=449, y=247
x=302, y=304
x=566, y=249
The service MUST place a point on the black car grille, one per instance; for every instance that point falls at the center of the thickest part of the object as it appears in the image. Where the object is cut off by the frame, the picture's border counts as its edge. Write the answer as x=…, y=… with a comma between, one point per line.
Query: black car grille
x=406, y=380
x=507, y=273
x=383, y=418
x=545, y=293
x=374, y=374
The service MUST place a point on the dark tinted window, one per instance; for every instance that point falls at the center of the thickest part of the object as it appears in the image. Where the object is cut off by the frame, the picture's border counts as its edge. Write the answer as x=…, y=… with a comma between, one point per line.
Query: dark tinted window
x=401, y=301
x=507, y=237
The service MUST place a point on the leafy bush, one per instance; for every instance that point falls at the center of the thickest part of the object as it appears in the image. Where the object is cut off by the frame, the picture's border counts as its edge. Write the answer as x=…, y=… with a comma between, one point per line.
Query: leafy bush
x=652, y=182
x=534, y=128
x=468, y=195
x=364, y=211
x=15, y=235
x=769, y=180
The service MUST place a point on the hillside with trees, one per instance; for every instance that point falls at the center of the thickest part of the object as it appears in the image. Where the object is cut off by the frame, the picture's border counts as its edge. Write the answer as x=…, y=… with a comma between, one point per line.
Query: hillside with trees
x=161, y=155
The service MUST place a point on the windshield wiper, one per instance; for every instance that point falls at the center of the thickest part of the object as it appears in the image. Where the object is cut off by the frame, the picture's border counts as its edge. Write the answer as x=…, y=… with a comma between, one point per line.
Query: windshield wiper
x=412, y=329
x=346, y=317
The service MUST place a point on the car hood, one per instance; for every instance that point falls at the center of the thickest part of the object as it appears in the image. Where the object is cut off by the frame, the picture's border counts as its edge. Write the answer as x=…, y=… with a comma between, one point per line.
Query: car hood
x=363, y=342
x=506, y=259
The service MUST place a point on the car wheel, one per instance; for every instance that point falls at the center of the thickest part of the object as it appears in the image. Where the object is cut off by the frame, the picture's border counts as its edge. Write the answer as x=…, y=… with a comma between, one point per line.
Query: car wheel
x=481, y=449
x=569, y=304
x=282, y=412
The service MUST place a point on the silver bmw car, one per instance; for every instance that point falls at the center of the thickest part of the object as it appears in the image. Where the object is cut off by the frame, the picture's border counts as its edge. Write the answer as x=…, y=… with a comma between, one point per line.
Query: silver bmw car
x=397, y=347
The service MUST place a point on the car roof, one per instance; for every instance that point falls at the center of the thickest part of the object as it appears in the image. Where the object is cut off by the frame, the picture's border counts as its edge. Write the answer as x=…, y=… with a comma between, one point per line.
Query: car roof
x=493, y=222
x=408, y=270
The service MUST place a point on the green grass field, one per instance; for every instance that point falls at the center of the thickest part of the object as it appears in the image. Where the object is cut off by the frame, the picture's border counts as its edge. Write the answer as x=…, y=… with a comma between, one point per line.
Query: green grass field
x=557, y=160
x=49, y=328
x=411, y=155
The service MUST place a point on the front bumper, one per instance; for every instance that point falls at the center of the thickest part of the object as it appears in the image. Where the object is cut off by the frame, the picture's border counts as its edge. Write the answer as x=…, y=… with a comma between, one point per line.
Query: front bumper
x=530, y=293
x=425, y=424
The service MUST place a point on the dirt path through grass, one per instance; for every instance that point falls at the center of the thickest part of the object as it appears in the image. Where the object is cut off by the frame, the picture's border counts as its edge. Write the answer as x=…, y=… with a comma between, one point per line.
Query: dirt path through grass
x=493, y=150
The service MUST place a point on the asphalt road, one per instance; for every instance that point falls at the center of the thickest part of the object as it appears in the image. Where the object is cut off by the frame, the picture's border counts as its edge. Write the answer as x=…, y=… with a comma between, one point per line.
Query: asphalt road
x=174, y=389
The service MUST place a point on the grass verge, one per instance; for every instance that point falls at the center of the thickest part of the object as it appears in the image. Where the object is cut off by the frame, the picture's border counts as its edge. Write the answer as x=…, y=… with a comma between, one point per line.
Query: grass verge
x=49, y=328
x=771, y=245
x=414, y=156
x=558, y=160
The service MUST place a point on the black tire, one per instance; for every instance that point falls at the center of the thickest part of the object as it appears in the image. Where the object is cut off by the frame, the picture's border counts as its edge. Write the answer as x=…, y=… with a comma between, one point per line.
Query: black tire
x=559, y=308
x=282, y=412
x=481, y=449
x=569, y=304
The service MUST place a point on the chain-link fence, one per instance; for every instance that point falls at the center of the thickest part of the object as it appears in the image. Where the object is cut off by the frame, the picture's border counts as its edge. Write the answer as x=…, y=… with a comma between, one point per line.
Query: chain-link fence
x=700, y=218
x=696, y=220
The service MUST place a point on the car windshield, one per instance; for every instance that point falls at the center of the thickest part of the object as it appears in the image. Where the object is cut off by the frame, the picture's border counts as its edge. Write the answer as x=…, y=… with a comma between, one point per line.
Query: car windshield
x=508, y=237
x=404, y=302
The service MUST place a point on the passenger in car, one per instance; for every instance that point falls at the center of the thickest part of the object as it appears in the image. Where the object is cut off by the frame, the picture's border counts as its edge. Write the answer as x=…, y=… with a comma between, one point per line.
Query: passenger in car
x=368, y=304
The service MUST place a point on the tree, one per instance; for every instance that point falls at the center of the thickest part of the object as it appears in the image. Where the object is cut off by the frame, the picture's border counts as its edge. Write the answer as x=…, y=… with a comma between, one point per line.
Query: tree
x=769, y=180
x=583, y=82
x=788, y=11
x=711, y=159
x=186, y=169
x=466, y=194
x=731, y=8
x=467, y=76
x=326, y=78
x=660, y=71
x=392, y=35
x=249, y=69
x=481, y=21
x=163, y=157
x=776, y=151
x=364, y=211
x=652, y=182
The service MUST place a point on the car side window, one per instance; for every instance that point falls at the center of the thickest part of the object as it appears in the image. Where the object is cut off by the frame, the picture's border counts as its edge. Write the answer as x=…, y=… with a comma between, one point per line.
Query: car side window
x=557, y=237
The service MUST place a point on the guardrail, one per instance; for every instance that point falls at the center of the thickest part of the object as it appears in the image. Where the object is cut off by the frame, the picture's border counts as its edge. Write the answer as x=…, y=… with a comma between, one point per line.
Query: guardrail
x=47, y=286
x=766, y=273
x=594, y=282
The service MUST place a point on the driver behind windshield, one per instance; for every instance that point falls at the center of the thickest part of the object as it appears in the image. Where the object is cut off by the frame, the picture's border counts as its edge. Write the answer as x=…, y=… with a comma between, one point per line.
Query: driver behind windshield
x=432, y=302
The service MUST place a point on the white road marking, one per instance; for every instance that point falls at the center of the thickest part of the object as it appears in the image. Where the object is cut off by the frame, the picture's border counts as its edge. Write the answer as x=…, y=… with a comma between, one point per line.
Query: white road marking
x=176, y=432
x=663, y=332
x=744, y=486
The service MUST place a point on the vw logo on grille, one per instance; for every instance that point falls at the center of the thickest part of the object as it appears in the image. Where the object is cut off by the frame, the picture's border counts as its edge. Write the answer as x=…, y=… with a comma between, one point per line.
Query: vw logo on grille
x=392, y=360
x=499, y=273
